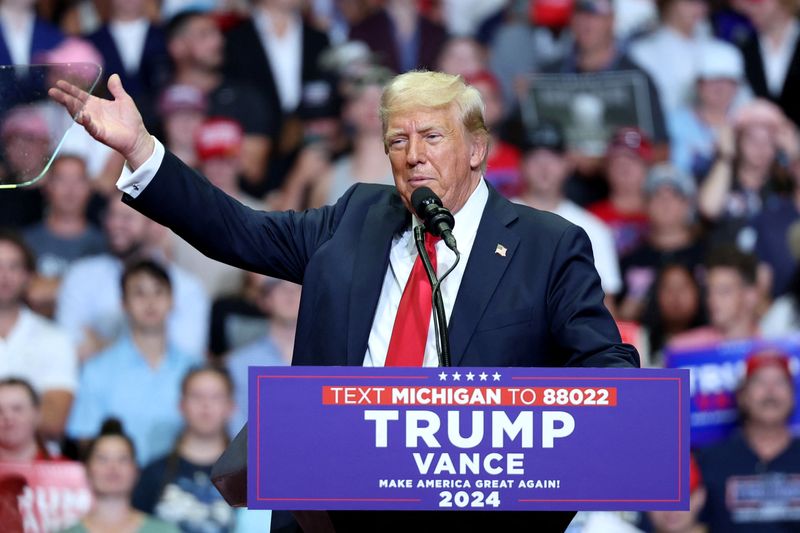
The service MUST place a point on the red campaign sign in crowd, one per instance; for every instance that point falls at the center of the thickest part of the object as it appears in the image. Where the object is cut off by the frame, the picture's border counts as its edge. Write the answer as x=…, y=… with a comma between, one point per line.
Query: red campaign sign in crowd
x=42, y=496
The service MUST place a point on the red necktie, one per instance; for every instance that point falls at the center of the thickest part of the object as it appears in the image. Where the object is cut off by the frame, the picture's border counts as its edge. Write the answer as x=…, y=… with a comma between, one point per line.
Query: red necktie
x=410, y=332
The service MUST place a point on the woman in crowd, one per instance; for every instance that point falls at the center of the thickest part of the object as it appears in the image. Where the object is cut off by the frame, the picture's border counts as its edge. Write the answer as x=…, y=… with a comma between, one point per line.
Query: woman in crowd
x=674, y=306
x=177, y=488
x=753, y=159
x=112, y=472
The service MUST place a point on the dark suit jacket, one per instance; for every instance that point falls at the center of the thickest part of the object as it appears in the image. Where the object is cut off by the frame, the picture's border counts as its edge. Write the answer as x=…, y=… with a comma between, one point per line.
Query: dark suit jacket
x=377, y=31
x=45, y=37
x=246, y=60
x=154, y=68
x=754, y=71
x=539, y=305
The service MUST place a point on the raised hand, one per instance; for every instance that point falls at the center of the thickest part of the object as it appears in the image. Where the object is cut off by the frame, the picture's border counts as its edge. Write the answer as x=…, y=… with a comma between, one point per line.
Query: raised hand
x=116, y=123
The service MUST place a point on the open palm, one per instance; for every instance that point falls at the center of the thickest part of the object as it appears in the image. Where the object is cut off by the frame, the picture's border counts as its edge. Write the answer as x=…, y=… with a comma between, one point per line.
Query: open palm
x=116, y=123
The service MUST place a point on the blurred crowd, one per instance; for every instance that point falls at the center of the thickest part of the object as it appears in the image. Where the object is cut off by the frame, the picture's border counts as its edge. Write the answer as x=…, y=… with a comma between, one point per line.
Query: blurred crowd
x=122, y=346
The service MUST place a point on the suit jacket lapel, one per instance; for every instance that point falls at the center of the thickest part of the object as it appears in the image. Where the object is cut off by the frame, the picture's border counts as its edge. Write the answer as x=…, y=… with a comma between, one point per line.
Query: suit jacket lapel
x=5, y=54
x=755, y=67
x=372, y=258
x=484, y=271
x=260, y=60
x=788, y=89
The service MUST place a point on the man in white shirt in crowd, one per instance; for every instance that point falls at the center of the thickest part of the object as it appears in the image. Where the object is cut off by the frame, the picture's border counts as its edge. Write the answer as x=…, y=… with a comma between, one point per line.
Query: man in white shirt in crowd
x=545, y=169
x=89, y=302
x=133, y=47
x=32, y=347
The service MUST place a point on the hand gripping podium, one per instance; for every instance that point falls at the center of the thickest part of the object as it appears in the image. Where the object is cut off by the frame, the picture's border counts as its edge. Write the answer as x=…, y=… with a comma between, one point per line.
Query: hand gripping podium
x=351, y=448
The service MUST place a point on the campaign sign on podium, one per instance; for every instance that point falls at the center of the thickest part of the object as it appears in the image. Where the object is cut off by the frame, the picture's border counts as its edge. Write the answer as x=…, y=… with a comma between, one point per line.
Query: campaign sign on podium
x=468, y=438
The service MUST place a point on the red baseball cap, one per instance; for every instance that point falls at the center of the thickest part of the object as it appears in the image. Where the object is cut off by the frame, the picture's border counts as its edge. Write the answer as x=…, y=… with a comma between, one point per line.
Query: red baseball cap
x=484, y=76
x=219, y=137
x=765, y=358
x=632, y=141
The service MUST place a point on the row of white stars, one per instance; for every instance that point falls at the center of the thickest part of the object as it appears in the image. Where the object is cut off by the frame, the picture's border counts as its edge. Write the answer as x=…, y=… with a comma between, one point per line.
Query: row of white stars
x=483, y=376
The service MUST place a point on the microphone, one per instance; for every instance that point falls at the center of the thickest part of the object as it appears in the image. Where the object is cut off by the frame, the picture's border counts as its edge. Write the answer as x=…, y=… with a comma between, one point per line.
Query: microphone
x=438, y=220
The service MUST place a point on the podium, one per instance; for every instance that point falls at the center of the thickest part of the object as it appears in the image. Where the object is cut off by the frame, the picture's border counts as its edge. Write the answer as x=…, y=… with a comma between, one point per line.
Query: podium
x=349, y=449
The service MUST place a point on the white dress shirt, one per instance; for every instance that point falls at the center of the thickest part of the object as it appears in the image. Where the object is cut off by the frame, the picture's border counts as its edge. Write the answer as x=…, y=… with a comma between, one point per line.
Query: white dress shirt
x=40, y=352
x=18, y=34
x=776, y=59
x=402, y=255
x=285, y=55
x=129, y=36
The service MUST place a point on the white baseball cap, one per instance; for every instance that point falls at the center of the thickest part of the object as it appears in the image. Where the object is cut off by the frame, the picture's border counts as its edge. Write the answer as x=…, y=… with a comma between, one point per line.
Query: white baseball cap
x=719, y=60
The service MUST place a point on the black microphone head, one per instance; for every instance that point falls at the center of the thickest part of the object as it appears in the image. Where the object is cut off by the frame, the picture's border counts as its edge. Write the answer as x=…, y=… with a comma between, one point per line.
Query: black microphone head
x=422, y=198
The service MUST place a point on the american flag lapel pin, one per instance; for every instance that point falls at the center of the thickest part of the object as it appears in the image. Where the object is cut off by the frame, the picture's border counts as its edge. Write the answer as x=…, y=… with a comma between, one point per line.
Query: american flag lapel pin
x=501, y=250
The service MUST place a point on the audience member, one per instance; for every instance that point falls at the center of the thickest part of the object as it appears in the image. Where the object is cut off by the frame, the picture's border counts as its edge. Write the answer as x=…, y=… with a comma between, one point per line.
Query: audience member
x=596, y=50
x=671, y=236
x=772, y=226
x=277, y=52
x=280, y=301
x=627, y=162
x=770, y=53
x=782, y=319
x=20, y=417
x=89, y=304
x=673, y=306
x=177, y=487
x=32, y=347
x=24, y=151
x=731, y=300
x=545, y=168
x=522, y=46
x=401, y=36
x=182, y=110
x=336, y=18
x=137, y=379
x=681, y=34
x=462, y=17
x=745, y=170
x=502, y=164
x=24, y=35
x=237, y=320
x=694, y=129
x=133, y=47
x=367, y=162
x=66, y=234
x=684, y=521
x=316, y=134
x=196, y=47
x=112, y=472
x=463, y=56
x=752, y=477
x=218, y=145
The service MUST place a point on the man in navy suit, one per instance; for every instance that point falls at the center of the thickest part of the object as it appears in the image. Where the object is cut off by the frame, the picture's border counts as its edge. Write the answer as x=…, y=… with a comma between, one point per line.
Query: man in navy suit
x=525, y=293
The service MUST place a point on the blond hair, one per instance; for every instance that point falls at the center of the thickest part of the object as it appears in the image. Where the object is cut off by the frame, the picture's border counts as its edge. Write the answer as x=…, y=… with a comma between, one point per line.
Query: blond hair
x=421, y=89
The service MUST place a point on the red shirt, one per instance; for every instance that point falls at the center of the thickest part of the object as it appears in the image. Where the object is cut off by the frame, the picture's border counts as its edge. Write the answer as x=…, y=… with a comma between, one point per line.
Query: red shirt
x=629, y=229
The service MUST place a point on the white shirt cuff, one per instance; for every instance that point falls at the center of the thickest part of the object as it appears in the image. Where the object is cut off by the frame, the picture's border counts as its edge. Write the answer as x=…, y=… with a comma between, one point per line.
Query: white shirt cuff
x=134, y=182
